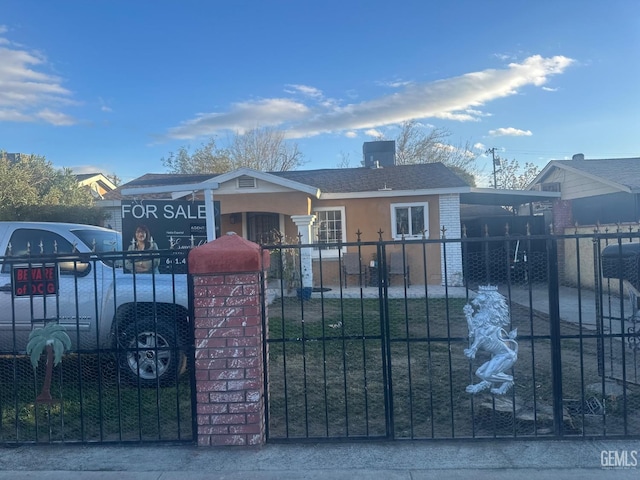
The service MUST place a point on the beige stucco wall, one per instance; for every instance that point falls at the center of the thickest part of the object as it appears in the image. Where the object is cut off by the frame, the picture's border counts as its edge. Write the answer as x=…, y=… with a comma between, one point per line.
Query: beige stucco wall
x=291, y=203
x=585, y=275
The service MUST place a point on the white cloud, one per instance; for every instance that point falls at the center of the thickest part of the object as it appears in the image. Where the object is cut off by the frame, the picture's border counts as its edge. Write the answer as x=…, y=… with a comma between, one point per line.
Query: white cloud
x=304, y=89
x=242, y=117
x=28, y=93
x=549, y=89
x=479, y=146
x=372, y=132
x=510, y=132
x=456, y=98
x=351, y=134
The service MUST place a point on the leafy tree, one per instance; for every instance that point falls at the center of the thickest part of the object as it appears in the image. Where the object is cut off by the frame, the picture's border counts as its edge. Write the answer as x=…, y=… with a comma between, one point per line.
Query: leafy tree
x=30, y=184
x=262, y=149
x=208, y=158
x=510, y=176
x=32, y=180
x=464, y=174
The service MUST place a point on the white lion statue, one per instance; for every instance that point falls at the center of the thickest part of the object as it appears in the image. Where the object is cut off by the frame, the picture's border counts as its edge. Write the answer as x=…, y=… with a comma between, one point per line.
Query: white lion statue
x=487, y=315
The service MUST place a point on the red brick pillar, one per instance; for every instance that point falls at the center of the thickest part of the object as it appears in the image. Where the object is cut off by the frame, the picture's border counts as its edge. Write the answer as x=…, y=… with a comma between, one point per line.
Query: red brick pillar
x=228, y=341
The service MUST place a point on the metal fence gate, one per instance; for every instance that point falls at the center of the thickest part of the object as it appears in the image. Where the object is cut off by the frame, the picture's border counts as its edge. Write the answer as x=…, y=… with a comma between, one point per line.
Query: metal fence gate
x=376, y=351
x=126, y=373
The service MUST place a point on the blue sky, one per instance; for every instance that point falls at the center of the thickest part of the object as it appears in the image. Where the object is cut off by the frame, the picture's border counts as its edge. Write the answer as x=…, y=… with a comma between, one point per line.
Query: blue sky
x=114, y=86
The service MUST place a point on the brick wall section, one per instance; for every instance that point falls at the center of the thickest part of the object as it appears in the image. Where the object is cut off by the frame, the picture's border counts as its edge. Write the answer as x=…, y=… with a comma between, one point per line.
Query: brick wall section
x=230, y=405
x=449, y=206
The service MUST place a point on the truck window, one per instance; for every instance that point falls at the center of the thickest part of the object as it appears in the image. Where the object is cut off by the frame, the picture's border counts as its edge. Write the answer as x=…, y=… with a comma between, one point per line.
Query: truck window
x=26, y=241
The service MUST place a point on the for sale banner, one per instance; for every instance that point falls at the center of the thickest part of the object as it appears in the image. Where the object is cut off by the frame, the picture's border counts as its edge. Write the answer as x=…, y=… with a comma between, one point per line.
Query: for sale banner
x=165, y=225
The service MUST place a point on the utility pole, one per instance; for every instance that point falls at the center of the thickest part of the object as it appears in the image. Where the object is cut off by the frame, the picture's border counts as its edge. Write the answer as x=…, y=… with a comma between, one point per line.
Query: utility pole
x=496, y=162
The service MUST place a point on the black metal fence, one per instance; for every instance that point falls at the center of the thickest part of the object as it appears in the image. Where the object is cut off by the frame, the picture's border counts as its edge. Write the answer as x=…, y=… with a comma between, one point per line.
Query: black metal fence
x=367, y=354
x=124, y=340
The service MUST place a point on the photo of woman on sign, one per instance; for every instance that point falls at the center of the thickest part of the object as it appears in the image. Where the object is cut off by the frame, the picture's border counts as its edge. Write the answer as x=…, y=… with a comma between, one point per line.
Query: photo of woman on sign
x=143, y=241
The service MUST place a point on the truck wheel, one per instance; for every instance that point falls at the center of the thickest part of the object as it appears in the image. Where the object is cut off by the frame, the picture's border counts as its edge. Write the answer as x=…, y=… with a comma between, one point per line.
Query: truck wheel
x=149, y=353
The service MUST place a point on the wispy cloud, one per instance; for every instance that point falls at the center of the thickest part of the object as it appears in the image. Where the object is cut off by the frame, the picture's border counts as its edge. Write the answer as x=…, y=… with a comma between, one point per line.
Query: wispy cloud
x=479, y=146
x=28, y=93
x=103, y=105
x=549, y=89
x=510, y=132
x=304, y=89
x=395, y=83
x=457, y=98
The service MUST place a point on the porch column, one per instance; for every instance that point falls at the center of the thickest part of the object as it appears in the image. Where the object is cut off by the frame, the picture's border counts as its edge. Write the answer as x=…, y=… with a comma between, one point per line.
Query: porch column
x=304, y=222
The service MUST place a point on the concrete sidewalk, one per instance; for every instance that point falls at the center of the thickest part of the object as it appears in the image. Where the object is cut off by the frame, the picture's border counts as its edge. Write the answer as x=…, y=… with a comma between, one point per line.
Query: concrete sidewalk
x=496, y=459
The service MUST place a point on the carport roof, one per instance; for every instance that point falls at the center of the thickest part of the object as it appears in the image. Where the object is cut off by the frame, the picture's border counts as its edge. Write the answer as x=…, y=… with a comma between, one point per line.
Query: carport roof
x=492, y=196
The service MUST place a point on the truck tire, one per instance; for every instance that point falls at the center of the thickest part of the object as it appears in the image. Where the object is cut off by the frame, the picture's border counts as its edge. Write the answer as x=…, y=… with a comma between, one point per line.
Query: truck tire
x=149, y=353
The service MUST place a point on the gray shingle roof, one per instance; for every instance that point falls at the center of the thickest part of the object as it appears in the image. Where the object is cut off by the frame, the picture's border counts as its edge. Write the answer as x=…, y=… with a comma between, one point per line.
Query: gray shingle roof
x=336, y=180
x=400, y=177
x=623, y=171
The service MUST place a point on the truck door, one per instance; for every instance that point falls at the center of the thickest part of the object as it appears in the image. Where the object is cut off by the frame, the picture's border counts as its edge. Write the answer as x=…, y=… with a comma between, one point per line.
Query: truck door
x=36, y=287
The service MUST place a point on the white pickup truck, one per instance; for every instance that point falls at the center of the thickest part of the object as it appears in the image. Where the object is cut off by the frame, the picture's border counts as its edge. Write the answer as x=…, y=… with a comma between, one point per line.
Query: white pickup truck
x=72, y=274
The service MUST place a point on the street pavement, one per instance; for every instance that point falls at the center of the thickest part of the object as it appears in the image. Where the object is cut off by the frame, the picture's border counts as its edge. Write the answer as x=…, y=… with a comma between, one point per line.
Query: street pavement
x=485, y=459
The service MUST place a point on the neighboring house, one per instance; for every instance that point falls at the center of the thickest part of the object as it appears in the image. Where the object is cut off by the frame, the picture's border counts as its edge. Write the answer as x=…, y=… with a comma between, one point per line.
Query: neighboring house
x=604, y=191
x=594, y=193
x=97, y=184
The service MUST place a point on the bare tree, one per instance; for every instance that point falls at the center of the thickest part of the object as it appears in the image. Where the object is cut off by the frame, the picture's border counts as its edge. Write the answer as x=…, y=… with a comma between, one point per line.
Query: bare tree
x=262, y=149
x=511, y=176
x=414, y=144
x=345, y=160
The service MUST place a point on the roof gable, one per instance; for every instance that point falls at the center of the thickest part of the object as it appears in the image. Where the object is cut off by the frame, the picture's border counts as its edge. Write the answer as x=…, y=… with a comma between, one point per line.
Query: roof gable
x=620, y=173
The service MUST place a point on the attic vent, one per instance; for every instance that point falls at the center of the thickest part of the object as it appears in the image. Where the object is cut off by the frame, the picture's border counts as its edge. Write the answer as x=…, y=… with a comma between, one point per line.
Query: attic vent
x=550, y=187
x=245, y=181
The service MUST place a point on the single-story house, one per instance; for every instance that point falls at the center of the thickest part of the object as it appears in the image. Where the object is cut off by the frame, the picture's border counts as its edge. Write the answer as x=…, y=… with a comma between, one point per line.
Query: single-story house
x=592, y=191
x=601, y=194
x=97, y=184
x=328, y=205
x=379, y=201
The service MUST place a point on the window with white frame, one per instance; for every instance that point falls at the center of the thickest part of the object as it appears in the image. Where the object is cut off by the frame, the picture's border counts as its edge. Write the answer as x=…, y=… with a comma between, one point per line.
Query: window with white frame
x=329, y=227
x=410, y=220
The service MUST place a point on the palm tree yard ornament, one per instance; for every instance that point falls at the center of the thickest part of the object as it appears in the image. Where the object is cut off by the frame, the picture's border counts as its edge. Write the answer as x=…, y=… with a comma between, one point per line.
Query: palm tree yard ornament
x=52, y=337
